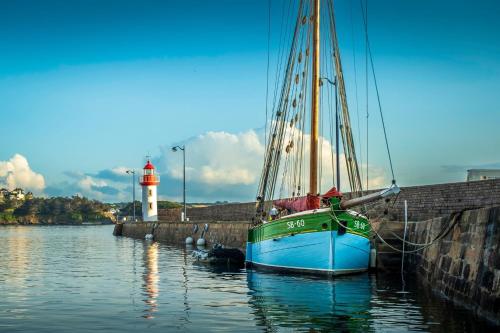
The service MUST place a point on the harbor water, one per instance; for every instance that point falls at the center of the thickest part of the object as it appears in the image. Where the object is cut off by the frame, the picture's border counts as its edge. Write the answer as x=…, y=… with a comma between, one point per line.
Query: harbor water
x=83, y=279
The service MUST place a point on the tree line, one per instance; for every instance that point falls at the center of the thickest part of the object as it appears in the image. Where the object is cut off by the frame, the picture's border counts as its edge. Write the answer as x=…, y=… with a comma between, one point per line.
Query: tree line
x=73, y=209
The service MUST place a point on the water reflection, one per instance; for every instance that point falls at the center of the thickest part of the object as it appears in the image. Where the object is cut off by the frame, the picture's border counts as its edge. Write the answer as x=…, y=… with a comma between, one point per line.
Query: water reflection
x=18, y=249
x=307, y=304
x=151, y=279
x=185, y=280
x=53, y=279
x=16, y=275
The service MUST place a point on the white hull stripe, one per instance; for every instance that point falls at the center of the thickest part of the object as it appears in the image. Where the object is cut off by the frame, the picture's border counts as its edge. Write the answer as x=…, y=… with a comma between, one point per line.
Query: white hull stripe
x=333, y=271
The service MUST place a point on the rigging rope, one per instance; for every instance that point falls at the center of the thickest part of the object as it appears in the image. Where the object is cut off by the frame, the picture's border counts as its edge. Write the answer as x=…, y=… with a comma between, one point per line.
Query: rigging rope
x=345, y=128
x=281, y=48
x=370, y=56
x=278, y=127
x=267, y=70
x=286, y=114
x=294, y=156
x=365, y=19
x=353, y=40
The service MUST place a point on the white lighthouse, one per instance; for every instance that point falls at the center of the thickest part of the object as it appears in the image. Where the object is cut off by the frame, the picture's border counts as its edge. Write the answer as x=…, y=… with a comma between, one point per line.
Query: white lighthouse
x=149, y=180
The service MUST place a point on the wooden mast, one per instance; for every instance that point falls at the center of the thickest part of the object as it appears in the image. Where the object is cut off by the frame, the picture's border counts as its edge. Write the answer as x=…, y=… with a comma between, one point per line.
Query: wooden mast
x=313, y=172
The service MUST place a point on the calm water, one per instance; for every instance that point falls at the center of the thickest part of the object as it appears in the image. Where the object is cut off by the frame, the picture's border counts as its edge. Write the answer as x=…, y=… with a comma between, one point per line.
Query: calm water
x=56, y=279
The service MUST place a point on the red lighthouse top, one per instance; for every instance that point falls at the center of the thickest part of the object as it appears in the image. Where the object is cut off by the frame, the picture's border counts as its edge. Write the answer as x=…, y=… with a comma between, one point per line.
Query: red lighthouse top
x=149, y=177
x=149, y=166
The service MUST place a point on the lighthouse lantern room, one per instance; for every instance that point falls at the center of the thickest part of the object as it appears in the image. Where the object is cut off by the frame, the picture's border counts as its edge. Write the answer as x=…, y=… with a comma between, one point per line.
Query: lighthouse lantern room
x=149, y=181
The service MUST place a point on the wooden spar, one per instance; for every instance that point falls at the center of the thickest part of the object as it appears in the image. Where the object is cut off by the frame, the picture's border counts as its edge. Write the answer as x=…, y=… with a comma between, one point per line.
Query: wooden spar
x=313, y=172
x=393, y=190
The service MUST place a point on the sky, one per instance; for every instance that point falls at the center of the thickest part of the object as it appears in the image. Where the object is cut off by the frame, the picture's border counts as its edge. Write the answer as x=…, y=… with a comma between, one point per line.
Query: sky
x=89, y=88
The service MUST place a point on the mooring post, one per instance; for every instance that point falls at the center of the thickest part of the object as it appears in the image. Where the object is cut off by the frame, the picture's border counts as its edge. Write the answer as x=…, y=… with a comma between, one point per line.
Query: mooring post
x=404, y=242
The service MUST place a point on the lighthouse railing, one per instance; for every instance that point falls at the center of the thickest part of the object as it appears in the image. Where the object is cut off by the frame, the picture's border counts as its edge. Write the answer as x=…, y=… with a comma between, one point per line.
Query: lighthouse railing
x=149, y=178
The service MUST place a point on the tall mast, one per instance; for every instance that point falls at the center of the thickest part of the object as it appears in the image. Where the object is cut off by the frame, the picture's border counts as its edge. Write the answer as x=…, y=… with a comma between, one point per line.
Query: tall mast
x=313, y=172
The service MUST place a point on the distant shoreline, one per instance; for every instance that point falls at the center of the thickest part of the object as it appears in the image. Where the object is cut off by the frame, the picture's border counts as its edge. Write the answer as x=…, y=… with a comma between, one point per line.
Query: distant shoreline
x=2, y=224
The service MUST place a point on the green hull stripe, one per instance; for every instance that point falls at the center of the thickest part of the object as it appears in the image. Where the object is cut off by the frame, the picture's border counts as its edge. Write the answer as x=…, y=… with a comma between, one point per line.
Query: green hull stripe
x=313, y=222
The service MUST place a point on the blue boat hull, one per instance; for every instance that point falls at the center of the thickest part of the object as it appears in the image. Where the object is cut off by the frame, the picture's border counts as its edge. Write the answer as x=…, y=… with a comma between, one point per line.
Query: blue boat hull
x=323, y=252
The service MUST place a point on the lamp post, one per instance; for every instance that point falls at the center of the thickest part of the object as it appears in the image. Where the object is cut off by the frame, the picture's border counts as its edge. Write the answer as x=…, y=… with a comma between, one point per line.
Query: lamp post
x=183, y=148
x=132, y=172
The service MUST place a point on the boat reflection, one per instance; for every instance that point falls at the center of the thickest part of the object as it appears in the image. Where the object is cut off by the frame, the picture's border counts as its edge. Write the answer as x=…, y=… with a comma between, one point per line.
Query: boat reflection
x=151, y=279
x=309, y=304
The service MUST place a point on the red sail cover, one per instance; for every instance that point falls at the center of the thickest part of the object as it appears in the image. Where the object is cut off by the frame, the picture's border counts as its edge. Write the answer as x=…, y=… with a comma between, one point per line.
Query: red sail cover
x=306, y=203
x=332, y=193
x=299, y=204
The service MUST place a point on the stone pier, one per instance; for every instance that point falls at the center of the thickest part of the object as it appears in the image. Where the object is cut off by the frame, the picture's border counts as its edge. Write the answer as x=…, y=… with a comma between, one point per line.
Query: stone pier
x=231, y=234
x=462, y=264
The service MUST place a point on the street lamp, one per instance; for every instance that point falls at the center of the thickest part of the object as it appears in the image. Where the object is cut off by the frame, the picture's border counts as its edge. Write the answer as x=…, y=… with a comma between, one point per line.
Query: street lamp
x=337, y=126
x=132, y=172
x=183, y=148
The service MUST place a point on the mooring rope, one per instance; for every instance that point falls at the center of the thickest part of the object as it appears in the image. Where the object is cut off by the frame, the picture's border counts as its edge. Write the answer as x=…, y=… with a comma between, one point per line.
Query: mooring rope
x=441, y=235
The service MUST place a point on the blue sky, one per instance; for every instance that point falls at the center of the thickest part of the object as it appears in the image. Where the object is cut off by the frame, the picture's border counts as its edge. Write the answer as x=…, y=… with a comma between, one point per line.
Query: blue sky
x=88, y=87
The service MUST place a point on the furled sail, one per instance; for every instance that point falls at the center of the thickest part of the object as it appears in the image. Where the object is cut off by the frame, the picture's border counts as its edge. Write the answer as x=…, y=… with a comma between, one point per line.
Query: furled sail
x=308, y=202
x=299, y=204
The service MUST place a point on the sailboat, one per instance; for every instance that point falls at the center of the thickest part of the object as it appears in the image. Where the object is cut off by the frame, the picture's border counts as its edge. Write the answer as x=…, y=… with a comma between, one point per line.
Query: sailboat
x=313, y=233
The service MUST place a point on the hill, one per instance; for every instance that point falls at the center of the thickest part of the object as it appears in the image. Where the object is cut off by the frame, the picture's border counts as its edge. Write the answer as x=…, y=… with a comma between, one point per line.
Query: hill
x=57, y=210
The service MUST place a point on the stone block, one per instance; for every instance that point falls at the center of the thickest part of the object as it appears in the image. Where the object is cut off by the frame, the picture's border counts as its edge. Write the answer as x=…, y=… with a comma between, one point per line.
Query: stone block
x=487, y=280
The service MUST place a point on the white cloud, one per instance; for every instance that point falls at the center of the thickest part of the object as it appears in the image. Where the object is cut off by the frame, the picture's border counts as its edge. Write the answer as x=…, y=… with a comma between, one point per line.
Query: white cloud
x=87, y=183
x=120, y=170
x=16, y=172
x=219, y=166
x=218, y=158
x=92, y=186
x=227, y=166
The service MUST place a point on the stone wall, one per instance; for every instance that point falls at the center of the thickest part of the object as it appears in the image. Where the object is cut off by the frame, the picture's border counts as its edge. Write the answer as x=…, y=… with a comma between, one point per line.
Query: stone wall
x=430, y=201
x=464, y=266
x=230, y=234
x=224, y=212
x=424, y=202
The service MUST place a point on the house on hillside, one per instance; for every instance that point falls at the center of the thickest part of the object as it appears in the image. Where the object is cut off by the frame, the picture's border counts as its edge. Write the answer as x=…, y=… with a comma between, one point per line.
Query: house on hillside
x=17, y=194
x=4, y=193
